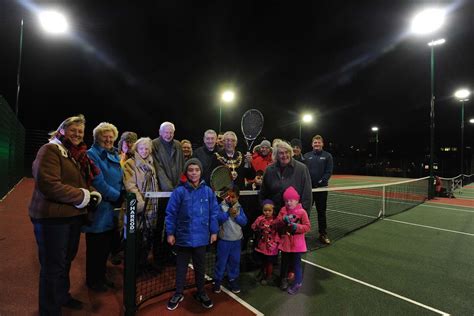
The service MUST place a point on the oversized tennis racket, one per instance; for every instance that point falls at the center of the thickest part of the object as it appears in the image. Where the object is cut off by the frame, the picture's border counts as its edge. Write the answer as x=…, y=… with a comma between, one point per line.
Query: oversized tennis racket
x=221, y=178
x=251, y=125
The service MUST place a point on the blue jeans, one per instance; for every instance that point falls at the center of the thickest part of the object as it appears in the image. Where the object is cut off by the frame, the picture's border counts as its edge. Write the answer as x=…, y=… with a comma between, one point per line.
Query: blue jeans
x=58, y=242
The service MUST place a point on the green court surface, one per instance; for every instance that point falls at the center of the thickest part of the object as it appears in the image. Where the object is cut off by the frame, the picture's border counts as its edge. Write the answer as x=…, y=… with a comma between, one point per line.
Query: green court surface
x=418, y=262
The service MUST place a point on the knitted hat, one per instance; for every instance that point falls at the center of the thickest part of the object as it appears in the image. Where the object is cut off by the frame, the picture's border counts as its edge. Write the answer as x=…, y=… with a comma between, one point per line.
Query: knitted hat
x=192, y=161
x=291, y=194
x=265, y=143
x=296, y=142
x=268, y=202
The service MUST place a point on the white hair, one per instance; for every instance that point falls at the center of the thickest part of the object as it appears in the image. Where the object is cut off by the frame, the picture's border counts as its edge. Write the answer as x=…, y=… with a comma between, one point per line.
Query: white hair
x=166, y=124
x=105, y=127
x=284, y=145
x=145, y=141
x=210, y=131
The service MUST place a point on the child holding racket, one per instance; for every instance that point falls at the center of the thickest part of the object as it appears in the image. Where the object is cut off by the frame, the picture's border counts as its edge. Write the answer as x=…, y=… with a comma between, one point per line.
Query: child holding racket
x=231, y=219
x=294, y=224
x=191, y=225
x=267, y=240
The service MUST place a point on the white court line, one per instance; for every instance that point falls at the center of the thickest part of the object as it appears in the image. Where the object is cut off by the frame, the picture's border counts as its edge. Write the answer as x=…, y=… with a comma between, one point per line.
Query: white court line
x=377, y=288
x=434, y=205
x=235, y=297
x=430, y=227
x=402, y=222
x=241, y=301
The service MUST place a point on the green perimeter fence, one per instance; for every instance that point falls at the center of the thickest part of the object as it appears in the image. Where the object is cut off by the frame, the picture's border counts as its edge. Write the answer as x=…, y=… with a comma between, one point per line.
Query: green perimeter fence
x=12, y=148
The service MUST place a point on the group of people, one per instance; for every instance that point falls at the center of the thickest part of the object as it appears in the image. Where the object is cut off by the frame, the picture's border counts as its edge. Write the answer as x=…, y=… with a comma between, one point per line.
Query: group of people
x=80, y=189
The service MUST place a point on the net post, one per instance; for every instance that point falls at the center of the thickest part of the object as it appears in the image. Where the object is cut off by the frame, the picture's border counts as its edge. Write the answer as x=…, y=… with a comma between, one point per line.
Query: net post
x=383, y=202
x=129, y=289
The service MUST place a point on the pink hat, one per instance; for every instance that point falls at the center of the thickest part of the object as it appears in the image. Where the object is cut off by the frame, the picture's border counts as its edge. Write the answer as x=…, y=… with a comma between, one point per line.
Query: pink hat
x=291, y=194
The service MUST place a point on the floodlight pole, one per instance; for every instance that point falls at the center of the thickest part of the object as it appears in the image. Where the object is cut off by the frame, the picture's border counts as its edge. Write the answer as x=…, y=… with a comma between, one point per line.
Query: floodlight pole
x=300, y=131
x=376, y=148
x=220, y=117
x=432, y=128
x=462, y=137
x=18, y=72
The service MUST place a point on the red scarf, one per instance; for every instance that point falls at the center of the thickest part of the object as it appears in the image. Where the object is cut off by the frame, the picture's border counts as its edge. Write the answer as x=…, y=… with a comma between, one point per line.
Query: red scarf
x=79, y=153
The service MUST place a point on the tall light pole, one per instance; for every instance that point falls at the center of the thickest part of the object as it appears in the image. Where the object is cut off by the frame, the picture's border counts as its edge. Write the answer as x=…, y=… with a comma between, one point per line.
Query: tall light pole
x=227, y=97
x=462, y=95
x=306, y=118
x=427, y=22
x=52, y=22
x=375, y=129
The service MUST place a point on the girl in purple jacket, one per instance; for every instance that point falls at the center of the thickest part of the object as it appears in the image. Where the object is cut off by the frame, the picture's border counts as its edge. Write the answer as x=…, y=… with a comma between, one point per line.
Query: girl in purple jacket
x=293, y=223
x=267, y=240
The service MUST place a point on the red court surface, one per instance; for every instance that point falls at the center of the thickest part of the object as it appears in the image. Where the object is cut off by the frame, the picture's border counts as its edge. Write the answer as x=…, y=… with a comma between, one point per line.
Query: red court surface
x=19, y=272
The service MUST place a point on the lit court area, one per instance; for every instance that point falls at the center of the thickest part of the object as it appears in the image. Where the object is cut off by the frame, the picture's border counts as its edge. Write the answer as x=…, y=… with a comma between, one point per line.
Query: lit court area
x=419, y=261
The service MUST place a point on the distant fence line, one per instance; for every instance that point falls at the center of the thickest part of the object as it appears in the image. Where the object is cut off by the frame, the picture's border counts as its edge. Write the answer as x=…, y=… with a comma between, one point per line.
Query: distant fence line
x=12, y=148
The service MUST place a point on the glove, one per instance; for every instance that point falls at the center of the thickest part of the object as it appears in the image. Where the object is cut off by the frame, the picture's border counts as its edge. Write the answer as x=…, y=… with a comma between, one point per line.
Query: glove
x=286, y=219
x=293, y=228
x=95, y=200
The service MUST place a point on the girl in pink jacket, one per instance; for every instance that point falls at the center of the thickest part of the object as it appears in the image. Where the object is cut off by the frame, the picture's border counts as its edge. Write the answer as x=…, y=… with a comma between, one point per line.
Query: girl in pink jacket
x=293, y=223
x=267, y=240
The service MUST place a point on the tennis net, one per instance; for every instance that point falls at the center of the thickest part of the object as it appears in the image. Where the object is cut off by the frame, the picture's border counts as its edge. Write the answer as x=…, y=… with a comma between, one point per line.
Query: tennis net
x=348, y=209
x=453, y=186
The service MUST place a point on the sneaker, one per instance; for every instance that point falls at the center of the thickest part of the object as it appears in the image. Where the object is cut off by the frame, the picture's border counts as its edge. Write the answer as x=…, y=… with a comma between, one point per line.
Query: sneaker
x=174, y=301
x=260, y=276
x=74, y=304
x=294, y=288
x=203, y=299
x=284, y=284
x=234, y=286
x=216, y=288
x=324, y=239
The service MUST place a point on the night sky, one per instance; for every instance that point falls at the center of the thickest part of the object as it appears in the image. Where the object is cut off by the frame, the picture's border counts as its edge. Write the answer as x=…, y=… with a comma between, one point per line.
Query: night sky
x=137, y=64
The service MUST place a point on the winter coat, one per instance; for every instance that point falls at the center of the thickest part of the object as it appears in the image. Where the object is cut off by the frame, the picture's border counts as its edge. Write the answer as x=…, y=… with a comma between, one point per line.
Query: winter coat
x=109, y=183
x=260, y=162
x=139, y=176
x=191, y=215
x=208, y=161
x=168, y=167
x=293, y=241
x=268, y=238
x=320, y=165
x=275, y=183
x=58, y=180
x=231, y=228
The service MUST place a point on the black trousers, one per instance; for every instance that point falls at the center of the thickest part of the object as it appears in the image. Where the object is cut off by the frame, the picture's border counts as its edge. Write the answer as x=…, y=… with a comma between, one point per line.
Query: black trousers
x=98, y=246
x=58, y=242
x=320, y=200
x=198, y=255
x=161, y=248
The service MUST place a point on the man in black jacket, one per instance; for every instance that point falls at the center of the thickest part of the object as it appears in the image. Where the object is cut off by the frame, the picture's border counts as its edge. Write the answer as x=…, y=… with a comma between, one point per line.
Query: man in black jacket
x=206, y=154
x=320, y=165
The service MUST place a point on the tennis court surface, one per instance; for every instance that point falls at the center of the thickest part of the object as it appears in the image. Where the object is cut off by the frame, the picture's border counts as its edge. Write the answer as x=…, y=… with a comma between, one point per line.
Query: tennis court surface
x=417, y=262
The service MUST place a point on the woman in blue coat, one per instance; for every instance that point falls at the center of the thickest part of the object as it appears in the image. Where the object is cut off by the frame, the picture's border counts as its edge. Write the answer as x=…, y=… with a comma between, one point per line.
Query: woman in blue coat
x=100, y=231
x=191, y=224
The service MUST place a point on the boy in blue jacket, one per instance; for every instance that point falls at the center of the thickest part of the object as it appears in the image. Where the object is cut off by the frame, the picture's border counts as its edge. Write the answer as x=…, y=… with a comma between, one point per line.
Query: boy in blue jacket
x=191, y=225
x=231, y=219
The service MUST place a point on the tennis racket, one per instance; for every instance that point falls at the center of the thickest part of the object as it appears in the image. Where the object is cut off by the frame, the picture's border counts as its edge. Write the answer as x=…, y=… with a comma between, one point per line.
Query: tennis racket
x=251, y=125
x=221, y=178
